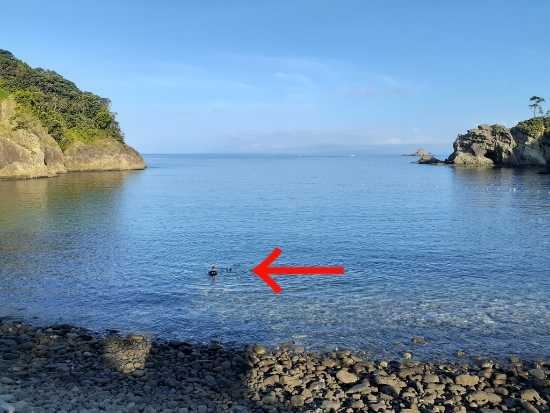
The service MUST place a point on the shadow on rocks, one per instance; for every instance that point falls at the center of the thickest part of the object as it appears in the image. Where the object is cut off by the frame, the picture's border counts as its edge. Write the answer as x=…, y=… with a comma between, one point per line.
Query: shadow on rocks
x=64, y=369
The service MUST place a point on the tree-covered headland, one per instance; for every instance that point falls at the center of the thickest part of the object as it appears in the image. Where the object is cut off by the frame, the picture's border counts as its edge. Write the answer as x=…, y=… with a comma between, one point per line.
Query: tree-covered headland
x=66, y=113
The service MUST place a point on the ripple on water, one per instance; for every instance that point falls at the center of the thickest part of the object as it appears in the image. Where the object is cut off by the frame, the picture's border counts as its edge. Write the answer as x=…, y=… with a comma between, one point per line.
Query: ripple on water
x=426, y=253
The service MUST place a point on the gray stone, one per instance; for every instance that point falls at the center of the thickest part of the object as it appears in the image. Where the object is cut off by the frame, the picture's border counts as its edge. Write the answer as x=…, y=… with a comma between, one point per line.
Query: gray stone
x=317, y=385
x=480, y=398
x=346, y=377
x=412, y=371
x=290, y=381
x=495, y=410
x=430, y=378
x=269, y=400
x=259, y=350
x=388, y=381
x=6, y=380
x=530, y=395
x=529, y=407
x=358, y=388
x=466, y=380
x=377, y=406
x=101, y=380
x=271, y=380
x=297, y=401
x=391, y=390
x=138, y=373
x=537, y=374
x=11, y=356
x=330, y=405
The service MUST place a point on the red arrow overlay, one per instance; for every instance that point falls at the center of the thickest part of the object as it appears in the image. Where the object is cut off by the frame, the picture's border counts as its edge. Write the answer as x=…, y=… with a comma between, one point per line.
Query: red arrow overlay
x=263, y=270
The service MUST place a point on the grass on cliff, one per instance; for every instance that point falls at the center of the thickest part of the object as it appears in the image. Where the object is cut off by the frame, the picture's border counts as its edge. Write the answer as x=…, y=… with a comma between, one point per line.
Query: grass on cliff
x=67, y=113
x=4, y=94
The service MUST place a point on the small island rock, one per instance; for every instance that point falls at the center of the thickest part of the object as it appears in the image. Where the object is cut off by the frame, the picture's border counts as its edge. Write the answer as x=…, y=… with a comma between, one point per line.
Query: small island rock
x=419, y=152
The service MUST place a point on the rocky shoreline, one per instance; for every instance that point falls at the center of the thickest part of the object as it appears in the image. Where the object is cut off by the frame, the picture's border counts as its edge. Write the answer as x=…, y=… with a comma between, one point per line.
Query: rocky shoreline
x=62, y=368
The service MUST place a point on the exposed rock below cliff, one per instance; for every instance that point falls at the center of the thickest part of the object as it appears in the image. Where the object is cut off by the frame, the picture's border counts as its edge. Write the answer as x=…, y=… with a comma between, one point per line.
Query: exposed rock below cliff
x=429, y=159
x=30, y=152
x=497, y=145
x=109, y=155
x=419, y=152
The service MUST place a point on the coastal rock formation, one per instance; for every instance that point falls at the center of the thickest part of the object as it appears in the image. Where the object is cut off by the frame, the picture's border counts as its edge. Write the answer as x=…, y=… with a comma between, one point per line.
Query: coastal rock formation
x=429, y=159
x=49, y=126
x=28, y=152
x=419, y=152
x=526, y=144
x=109, y=155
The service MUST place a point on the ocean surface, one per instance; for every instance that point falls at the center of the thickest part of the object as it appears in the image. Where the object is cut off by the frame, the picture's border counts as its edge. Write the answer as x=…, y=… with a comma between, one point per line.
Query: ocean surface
x=459, y=257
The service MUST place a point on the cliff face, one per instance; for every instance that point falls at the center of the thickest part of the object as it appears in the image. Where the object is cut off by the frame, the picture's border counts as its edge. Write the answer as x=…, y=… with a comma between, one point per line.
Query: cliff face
x=496, y=145
x=109, y=155
x=28, y=151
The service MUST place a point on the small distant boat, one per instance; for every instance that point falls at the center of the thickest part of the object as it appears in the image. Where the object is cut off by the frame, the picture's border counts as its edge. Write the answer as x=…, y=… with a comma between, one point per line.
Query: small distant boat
x=352, y=155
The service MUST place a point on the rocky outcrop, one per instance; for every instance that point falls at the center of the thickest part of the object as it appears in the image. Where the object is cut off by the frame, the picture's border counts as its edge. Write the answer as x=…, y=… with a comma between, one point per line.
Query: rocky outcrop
x=419, y=152
x=429, y=160
x=28, y=151
x=109, y=155
x=497, y=145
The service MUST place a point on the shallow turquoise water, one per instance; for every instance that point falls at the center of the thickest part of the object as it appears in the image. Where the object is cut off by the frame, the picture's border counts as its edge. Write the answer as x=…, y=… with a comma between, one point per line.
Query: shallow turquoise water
x=452, y=255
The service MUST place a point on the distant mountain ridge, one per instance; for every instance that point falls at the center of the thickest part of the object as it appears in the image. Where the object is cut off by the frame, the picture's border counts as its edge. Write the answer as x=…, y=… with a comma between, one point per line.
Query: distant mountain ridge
x=49, y=126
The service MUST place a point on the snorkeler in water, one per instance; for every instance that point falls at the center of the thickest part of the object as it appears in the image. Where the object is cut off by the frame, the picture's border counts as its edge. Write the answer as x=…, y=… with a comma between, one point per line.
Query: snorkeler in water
x=213, y=271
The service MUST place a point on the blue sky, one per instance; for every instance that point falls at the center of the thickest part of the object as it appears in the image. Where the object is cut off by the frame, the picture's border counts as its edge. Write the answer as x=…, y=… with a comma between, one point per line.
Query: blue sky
x=293, y=76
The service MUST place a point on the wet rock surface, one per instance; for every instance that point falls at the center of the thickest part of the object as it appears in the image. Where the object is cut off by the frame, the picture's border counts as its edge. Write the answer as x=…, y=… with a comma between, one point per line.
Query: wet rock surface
x=63, y=368
x=429, y=159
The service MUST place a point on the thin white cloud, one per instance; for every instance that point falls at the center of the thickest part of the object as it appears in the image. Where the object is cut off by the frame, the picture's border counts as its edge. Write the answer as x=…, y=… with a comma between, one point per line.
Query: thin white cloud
x=389, y=79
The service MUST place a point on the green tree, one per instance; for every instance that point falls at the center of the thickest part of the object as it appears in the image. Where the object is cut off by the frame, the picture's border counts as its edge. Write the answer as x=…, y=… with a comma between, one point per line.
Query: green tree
x=536, y=105
x=103, y=119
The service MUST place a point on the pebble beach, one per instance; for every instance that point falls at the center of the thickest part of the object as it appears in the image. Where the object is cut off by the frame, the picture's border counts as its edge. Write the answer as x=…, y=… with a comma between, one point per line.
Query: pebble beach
x=66, y=369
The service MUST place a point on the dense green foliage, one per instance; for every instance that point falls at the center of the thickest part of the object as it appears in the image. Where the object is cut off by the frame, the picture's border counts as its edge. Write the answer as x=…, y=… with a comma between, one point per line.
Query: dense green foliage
x=500, y=129
x=535, y=127
x=67, y=113
x=3, y=94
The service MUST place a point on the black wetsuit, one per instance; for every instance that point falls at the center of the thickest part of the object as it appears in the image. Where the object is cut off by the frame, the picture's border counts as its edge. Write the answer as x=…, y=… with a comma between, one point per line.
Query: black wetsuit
x=212, y=273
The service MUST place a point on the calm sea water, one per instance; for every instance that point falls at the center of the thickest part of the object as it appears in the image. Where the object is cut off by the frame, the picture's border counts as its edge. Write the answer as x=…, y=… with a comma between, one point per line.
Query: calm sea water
x=451, y=255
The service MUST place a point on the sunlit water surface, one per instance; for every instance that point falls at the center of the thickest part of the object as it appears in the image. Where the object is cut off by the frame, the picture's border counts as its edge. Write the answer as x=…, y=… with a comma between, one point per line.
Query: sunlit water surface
x=455, y=256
